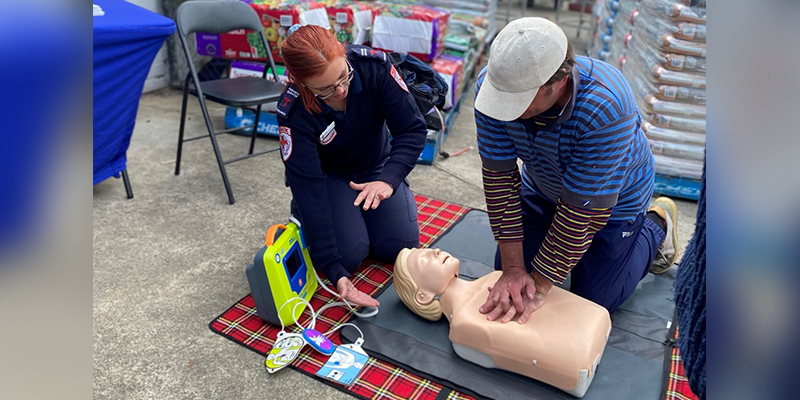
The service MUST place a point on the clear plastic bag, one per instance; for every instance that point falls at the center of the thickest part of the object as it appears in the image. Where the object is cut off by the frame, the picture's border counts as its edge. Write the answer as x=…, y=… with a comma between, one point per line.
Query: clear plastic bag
x=672, y=166
x=696, y=125
x=648, y=60
x=674, y=136
x=676, y=10
x=674, y=62
x=654, y=105
x=682, y=30
x=670, y=92
x=654, y=36
x=679, y=150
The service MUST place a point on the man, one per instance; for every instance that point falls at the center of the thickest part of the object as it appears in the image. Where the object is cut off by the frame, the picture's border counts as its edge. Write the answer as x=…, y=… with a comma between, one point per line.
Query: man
x=580, y=205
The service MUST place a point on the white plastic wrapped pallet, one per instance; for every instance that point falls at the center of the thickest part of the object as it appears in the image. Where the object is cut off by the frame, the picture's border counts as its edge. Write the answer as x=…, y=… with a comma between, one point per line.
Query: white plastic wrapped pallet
x=663, y=57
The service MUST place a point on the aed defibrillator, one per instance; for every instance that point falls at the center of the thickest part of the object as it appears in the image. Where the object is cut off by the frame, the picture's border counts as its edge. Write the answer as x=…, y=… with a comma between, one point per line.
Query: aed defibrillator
x=281, y=270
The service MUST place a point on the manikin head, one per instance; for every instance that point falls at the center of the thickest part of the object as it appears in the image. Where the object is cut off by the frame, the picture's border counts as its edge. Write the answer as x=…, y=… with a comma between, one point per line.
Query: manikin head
x=420, y=275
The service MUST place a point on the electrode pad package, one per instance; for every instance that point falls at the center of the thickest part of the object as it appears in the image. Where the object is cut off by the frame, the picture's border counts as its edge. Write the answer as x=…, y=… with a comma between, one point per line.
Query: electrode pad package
x=346, y=363
x=288, y=345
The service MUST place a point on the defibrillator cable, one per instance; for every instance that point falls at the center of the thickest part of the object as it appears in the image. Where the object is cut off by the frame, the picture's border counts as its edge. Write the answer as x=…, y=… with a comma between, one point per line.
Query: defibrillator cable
x=344, y=302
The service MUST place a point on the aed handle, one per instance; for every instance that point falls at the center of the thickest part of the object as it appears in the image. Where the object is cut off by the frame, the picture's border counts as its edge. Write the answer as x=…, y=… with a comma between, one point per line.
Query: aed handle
x=272, y=233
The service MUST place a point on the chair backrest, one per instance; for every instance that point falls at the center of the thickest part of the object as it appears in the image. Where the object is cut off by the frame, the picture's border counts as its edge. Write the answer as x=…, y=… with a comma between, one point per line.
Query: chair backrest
x=216, y=17
x=219, y=17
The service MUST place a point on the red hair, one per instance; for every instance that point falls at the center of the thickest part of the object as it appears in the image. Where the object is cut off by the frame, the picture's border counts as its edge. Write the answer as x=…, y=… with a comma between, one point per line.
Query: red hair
x=306, y=53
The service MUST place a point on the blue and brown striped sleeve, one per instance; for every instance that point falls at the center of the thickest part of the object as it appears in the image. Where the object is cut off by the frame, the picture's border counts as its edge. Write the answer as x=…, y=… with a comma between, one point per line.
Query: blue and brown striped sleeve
x=501, y=178
x=568, y=238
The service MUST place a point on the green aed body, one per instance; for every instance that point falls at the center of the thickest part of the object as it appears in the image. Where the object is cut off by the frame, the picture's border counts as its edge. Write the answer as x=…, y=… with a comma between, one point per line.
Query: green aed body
x=281, y=270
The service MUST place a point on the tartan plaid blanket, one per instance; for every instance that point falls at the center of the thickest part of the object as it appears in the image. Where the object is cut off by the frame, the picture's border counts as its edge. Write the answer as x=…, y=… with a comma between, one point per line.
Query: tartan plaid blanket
x=677, y=383
x=379, y=379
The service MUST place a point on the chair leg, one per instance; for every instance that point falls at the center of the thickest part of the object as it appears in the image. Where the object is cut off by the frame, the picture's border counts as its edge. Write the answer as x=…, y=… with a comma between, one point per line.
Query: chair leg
x=255, y=130
x=216, y=150
x=127, y=182
x=183, y=123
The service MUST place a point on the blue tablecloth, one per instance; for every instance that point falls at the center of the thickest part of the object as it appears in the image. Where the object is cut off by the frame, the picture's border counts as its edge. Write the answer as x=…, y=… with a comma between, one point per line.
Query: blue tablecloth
x=126, y=39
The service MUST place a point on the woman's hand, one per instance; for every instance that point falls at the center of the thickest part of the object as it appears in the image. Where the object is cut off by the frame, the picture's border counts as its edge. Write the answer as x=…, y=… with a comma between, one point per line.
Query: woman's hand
x=371, y=193
x=349, y=292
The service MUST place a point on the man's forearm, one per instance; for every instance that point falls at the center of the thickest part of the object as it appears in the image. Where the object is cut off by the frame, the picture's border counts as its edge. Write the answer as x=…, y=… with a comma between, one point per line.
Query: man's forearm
x=511, y=254
x=568, y=238
x=502, y=191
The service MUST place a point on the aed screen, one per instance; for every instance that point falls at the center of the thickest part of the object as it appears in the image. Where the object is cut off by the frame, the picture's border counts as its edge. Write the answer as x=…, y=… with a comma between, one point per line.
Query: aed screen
x=293, y=262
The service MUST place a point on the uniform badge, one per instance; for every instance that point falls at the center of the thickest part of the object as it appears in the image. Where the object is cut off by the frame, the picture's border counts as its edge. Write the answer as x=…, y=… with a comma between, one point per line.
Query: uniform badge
x=328, y=134
x=398, y=79
x=285, y=135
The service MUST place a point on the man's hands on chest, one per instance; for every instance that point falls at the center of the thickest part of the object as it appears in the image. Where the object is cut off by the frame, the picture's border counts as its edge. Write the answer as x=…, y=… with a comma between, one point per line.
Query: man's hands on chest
x=516, y=293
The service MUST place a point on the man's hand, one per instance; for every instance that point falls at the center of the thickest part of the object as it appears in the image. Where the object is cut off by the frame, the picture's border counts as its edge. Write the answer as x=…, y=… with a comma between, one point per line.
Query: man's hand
x=371, y=193
x=349, y=292
x=530, y=306
x=513, y=285
x=543, y=286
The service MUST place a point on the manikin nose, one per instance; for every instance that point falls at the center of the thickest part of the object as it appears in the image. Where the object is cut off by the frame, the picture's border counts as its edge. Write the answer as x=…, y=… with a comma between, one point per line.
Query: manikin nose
x=437, y=252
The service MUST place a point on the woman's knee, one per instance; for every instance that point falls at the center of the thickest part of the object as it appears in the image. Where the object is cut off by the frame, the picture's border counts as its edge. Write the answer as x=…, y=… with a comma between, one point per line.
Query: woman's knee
x=353, y=258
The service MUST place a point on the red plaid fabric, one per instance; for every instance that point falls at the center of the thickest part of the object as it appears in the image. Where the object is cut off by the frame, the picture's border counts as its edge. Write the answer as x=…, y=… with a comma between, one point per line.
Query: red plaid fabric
x=379, y=379
x=678, y=385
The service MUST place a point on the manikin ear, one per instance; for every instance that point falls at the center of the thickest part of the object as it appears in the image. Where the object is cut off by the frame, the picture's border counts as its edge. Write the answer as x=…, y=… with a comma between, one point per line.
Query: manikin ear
x=424, y=297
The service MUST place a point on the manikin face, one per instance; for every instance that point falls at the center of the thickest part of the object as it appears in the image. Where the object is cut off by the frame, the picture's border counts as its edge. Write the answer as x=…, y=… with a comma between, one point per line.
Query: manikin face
x=432, y=270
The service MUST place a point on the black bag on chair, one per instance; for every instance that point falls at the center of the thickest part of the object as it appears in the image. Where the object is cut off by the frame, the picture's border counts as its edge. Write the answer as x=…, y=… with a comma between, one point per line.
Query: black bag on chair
x=428, y=88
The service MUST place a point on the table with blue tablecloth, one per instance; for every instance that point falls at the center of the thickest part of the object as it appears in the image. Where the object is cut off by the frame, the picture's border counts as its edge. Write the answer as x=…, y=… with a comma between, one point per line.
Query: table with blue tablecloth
x=126, y=40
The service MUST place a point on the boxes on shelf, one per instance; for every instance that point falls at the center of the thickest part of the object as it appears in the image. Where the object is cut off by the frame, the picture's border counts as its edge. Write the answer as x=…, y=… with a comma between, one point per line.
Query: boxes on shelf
x=349, y=20
x=451, y=68
x=252, y=68
x=407, y=28
x=277, y=16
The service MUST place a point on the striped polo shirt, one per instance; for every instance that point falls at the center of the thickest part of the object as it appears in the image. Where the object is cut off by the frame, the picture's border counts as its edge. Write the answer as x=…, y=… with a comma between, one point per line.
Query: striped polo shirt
x=591, y=154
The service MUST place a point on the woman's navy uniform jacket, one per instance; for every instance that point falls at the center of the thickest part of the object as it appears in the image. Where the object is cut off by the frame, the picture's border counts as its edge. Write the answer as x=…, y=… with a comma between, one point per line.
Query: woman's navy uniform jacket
x=349, y=144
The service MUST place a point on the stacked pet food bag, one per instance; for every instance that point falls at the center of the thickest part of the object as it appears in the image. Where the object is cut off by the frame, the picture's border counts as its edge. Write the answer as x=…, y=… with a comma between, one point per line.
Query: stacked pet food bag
x=660, y=46
x=451, y=35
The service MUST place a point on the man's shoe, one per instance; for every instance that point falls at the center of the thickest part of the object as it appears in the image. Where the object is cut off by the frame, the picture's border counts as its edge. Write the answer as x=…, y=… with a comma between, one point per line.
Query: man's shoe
x=668, y=250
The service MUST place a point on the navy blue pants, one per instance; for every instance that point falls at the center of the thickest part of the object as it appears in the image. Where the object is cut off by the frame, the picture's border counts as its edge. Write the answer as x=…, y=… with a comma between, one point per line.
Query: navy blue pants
x=618, y=258
x=380, y=233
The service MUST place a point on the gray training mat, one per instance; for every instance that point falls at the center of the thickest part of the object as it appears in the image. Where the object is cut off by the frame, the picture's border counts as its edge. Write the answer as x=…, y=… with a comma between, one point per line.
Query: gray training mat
x=632, y=364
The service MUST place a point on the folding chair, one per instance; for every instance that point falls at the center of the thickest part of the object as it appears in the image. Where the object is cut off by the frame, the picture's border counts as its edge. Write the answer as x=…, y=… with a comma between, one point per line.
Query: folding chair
x=245, y=92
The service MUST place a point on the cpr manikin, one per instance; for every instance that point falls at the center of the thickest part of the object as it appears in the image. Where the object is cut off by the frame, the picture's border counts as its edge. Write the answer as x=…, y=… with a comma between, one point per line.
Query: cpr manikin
x=561, y=344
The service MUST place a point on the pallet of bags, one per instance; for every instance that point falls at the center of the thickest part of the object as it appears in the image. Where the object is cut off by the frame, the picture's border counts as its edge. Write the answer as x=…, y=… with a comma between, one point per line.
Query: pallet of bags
x=664, y=62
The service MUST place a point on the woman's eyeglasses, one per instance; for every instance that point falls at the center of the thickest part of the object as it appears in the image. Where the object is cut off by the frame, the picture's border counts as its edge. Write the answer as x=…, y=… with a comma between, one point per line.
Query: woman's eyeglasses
x=331, y=90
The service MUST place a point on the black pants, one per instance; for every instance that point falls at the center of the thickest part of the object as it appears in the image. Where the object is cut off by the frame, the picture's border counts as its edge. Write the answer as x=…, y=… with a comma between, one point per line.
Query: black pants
x=381, y=232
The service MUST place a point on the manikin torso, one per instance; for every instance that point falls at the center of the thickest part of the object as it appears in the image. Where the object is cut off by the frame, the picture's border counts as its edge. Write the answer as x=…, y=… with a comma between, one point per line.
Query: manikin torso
x=561, y=343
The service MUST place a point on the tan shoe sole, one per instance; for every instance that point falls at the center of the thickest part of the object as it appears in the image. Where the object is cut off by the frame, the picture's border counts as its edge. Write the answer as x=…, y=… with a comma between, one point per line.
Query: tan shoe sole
x=659, y=208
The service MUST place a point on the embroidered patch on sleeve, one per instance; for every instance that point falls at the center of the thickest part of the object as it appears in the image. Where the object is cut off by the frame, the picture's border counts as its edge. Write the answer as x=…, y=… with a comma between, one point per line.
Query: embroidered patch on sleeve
x=285, y=135
x=398, y=79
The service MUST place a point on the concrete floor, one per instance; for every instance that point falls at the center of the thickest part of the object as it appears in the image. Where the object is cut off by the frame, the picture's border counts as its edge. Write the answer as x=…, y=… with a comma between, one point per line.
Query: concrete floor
x=171, y=259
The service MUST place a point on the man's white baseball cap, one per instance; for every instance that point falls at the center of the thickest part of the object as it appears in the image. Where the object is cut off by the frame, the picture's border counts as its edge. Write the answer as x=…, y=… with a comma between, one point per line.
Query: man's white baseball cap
x=524, y=56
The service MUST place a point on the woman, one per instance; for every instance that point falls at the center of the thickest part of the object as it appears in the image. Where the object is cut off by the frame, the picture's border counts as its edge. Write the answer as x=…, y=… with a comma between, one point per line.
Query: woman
x=348, y=181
